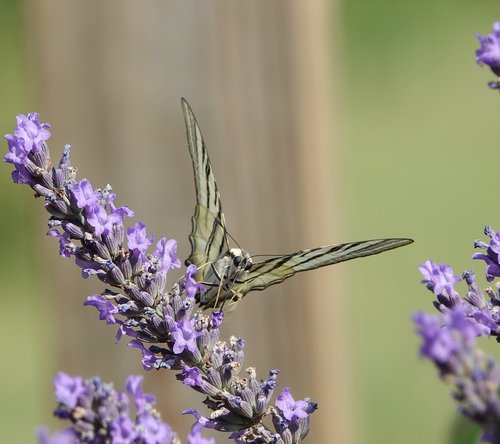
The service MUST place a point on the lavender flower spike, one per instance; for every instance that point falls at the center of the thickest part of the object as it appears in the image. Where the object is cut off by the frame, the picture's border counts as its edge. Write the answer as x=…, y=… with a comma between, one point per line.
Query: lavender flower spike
x=449, y=340
x=164, y=323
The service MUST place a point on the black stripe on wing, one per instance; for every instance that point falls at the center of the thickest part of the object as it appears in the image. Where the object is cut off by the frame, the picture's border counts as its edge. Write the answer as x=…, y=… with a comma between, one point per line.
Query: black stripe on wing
x=208, y=234
x=277, y=269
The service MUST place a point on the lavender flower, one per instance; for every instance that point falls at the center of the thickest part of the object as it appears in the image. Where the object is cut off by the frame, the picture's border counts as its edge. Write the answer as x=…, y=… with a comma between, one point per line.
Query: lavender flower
x=449, y=338
x=492, y=256
x=28, y=137
x=164, y=324
x=99, y=414
x=440, y=279
x=489, y=53
x=292, y=410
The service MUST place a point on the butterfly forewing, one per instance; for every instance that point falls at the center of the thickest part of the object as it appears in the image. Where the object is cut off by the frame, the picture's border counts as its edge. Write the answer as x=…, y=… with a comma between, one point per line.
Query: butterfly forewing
x=276, y=269
x=210, y=248
x=208, y=234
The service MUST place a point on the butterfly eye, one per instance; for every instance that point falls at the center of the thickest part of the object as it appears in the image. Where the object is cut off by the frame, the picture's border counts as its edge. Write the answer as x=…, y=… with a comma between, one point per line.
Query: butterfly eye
x=237, y=260
x=248, y=265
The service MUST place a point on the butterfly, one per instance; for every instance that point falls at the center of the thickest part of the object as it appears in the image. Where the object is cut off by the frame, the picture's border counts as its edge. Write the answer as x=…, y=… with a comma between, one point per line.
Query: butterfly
x=228, y=274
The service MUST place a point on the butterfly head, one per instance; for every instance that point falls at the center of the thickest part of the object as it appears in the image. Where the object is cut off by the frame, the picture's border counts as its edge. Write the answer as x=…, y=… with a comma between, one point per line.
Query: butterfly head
x=241, y=259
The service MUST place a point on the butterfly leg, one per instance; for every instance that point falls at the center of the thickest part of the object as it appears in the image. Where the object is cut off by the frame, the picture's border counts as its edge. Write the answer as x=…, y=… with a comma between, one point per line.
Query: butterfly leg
x=217, y=296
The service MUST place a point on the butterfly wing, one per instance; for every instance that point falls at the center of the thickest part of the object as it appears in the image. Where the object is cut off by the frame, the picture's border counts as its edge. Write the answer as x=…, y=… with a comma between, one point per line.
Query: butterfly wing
x=208, y=234
x=209, y=241
x=277, y=269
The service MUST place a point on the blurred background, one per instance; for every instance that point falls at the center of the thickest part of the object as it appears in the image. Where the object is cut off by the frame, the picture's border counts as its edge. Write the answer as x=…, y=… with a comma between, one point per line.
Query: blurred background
x=326, y=121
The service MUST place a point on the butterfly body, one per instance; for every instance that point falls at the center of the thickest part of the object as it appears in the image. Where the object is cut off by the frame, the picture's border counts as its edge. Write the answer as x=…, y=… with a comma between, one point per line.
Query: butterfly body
x=229, y=274
x=224, y=277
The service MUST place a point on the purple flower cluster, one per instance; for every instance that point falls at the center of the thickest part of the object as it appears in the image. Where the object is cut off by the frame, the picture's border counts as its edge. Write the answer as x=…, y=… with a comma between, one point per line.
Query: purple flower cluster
x=489, y=53
x=99, y=414
x=449, y=338
x=164, y=324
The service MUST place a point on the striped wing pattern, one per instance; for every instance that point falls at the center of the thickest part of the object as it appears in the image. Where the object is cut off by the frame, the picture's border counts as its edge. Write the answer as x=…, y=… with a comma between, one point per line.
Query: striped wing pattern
x=209, y=245
x=208, y=233
x=278, y=268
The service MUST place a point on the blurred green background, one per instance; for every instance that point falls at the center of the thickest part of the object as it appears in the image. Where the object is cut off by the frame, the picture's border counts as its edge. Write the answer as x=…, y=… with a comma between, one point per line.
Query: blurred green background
x=418, y=128
x=24, y=332
x=414, y=96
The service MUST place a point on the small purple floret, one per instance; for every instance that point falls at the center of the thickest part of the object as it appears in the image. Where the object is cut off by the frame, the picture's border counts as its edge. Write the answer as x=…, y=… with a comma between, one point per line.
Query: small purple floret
x=166, y=251
x=439, y=278
x=98, y=217
x=149, y=359
x=137, y=239
x=106, y=309
x=185, y=336
x=84, y=194
x=68, y=389
x=64, y=242
x=191, y=286
x=292, y=410
x=492, y=256
x=191, y=377
x=28, y=135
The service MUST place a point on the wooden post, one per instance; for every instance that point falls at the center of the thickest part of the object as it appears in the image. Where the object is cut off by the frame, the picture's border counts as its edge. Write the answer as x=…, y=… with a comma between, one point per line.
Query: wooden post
x=258, y=75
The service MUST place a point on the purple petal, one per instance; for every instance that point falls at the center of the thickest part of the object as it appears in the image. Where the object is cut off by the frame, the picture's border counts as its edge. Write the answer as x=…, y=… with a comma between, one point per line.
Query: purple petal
x=148, y=358
x=68, y=390
x=137, y=239
x=65, y=436
x=122, y=430
x=489, y=53
x=192, y=287
x=106, y=309
x=191, y=377
x=166, y=251
x=184, y=336
x=292, y=410
x=195, y=436
x=141, y=399
x=84, y=194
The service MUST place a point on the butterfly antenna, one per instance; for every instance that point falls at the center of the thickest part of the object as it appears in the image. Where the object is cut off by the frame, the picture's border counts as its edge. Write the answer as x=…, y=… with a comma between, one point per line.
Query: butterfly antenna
x=228, y=234
x=265, y=255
